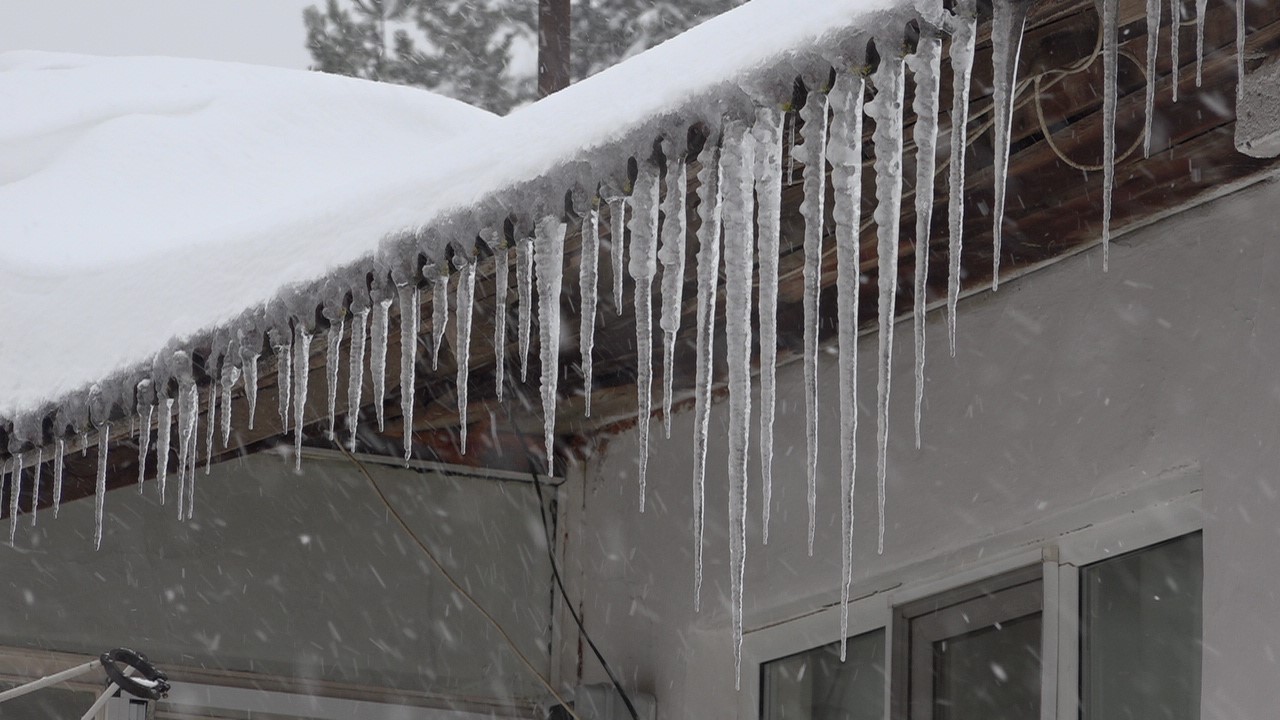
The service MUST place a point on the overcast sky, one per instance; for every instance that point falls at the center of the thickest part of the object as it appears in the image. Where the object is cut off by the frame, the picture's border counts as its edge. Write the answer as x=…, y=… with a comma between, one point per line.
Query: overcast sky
x=264, y=32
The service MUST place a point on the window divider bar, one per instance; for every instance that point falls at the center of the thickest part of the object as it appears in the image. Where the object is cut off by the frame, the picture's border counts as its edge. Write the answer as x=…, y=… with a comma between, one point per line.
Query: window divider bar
x=1068, y=675
x=1050, y=635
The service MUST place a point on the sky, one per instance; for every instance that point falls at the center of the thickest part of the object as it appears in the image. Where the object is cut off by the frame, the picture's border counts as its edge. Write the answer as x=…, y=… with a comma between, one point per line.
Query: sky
x=262, y=32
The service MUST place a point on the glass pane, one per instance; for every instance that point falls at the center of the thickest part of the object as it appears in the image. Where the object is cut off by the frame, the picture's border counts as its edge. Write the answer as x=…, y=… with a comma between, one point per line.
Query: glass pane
x=52, y=703
x=815, y=685
x=989, y=674
x=1140, y=651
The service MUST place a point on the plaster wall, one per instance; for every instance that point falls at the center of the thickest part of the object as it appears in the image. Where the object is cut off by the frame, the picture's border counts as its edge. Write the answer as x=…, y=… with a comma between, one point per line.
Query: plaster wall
x=1069, y=385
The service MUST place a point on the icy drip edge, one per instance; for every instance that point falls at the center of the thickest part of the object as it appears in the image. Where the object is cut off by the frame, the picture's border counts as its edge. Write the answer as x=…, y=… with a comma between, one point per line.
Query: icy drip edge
x=737, y=164
x=410, y=303
x=549, y=258
x=845, y=154
x=439, y=317
x=1110, y=59
x=333, y=338
x=926, y=66
x=378, y=358
x=1153, y=35
x=302, y=343
x=812, y=153
x=643, y=266
x=768, y=187
x=674, y=232
x=588, y=282
x=524, y=279
x=500, y=280
x=962, y=49
x=886, y=111
x=617, y=247
x=466, y=297
x=1006, y=41
x=355, y=381
x=708, y=260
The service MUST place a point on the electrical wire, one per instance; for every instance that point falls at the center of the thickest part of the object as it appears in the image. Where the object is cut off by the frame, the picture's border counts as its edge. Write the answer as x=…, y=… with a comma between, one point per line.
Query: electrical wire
x=454, y=583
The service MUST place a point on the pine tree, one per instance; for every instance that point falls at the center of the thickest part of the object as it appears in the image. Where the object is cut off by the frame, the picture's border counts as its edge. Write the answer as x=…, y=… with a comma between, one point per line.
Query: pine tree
x=484, y=52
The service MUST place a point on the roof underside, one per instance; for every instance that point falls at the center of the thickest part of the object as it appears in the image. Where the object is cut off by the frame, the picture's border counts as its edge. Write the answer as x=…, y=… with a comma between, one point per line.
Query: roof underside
x=1054, y=209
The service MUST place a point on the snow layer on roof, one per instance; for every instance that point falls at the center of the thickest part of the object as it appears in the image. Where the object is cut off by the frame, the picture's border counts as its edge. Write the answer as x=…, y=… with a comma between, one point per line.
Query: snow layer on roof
x=144, y=200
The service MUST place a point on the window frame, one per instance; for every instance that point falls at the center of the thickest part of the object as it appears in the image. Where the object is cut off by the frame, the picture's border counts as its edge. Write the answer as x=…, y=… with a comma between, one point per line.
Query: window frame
x=1059, y=544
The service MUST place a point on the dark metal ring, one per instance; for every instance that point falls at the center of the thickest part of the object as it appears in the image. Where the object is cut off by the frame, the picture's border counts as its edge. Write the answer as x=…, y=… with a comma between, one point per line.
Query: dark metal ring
x=142, y=666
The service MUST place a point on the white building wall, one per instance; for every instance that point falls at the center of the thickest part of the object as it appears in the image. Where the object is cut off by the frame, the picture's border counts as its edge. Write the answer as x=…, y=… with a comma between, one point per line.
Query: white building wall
x=1068, y=386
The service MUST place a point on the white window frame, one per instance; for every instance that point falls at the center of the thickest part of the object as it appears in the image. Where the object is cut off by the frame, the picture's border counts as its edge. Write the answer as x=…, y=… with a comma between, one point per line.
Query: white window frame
x=1061, y=544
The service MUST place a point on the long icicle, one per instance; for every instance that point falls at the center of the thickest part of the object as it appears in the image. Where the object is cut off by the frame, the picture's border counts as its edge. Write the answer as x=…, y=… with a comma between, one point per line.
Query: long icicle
x=643, y=266
x=926, y=67
x=1240, y=36
x=59, y=453
x=188, y=411
x=963, y=38
x=302, y=355
x=500, y=280
x=588, y=282
x=230, y=375
x=738, y=165
x=410, y=304
x=524, y=318
x=100, y=489
x=812, y=153
x=144, y=441
x=708, y=279
x=355, y=366
x=282, y=343
x=1175, y=27
x=549, y=252
x=378, y=357
x=163, y=432
x=439, y=316
x=845, y=154
x=618, y=247
x=1110, y=61
x=1153, y=44
x=191, y=457
x=768, y=187
x=1006, y=45
x=462, y=310
x=1202, y=8
x=886, y=111
x=35, y=485
x=15, y=492
x=674, y=232
x=332, y=356
x=250, y=374
x=210, y=425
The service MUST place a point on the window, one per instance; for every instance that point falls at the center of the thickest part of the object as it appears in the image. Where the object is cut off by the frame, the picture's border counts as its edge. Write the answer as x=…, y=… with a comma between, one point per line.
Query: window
x=1089, y=628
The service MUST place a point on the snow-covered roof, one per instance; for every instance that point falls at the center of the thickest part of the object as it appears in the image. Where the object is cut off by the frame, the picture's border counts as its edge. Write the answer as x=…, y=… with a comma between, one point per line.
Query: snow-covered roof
x=144, y=200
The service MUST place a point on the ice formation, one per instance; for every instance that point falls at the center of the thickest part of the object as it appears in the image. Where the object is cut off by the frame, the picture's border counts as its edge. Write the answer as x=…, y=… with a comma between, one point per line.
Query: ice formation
x=463, y=310
x=618, y=247
x=439, y=316
x=926, y=66
x=500, y=283
x=524, y=283
x=355, y=379
x=588, y=283
x=1006, y=45
x=708, y=260
x=378, y=356
x=549, y=253
x=813, y=154
x=333, y=347
x=410, y=304
x=671, y=256
x=643, y=266
x=963, y=37
x=768, y=186
x=302, y=373
x=1110, y=58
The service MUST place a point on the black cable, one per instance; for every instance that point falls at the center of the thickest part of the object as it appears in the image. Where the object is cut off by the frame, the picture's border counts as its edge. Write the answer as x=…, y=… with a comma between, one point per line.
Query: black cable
x=555, y=572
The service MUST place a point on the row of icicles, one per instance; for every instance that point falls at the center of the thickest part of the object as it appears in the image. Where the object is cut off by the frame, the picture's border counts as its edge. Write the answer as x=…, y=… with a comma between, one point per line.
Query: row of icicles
x=741, y=177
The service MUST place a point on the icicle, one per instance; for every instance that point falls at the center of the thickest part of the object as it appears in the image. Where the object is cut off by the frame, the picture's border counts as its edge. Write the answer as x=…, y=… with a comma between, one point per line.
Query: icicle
x=282, y=343
x=926, y=66
x=1175, y=26
x=708, y=280
x=1240, y=33
x=163, y=431
x=332, y=357
x=524, y=279
x=191, y=471
x=643, y=266
x=886, y=111
x=230, y=375
x=84, y=444
x=549, y=251
x=737, y=166
x=35, y=486
x=378, y=358
x=618, y=244
x=410, y=307
x=462, y=326
x=768, y=187
x=813, y=155
x=59, y=453
x=587, y=287
x=187, y=415
x=210, y=426
x=144, y=441
x=500, y=281
x=963, y=37
x=1006, y=45
x=302, y=355
x=15, y=491
x=100, y=491
x=251, y=383
x=845, y=154
x=1153, y=44
x=1202, y=7
x=439, y=316
x=671, y=255
x=355, y=383
x=1110, y=60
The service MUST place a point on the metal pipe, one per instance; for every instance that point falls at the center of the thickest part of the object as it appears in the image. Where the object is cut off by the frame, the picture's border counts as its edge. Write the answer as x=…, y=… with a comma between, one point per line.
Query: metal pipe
x=54, y=679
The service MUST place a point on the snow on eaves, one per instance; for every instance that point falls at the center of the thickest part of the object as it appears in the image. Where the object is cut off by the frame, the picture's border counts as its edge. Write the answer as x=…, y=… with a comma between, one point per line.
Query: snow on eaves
x=144, y=201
